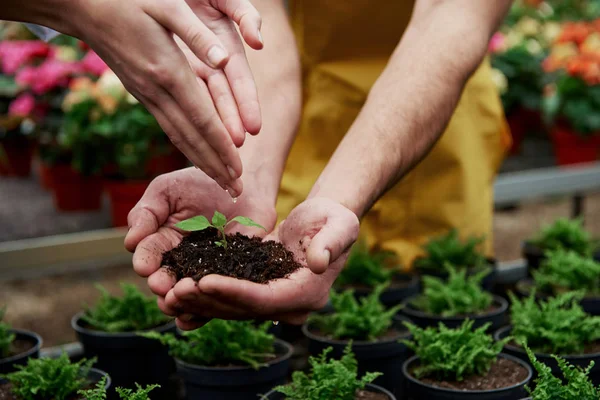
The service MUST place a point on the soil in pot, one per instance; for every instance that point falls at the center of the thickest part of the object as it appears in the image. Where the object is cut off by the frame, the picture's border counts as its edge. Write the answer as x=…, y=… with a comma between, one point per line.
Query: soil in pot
x=505, y=380
x=231, y=382
x=371, y=392
x=245, y=258
x=496, y=315
x=385, y=355
x=591, y=353
x=26, y=345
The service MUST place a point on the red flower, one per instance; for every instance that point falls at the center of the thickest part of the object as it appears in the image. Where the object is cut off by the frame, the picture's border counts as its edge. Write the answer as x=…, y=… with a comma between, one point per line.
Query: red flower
x=22, y=106
x=15, y=54
x=93, y=64
x=49, y=75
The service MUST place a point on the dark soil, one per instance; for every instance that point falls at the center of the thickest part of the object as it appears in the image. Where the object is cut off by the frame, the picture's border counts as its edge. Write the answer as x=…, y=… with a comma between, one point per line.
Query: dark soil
x=19, y=347
x=245, y=258
x=503, y=373
x=6, y=393
x=365, y=395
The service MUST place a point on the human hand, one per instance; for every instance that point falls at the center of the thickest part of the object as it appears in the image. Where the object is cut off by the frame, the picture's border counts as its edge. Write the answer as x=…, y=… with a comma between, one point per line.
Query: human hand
x=136, y=40
x=319, y=232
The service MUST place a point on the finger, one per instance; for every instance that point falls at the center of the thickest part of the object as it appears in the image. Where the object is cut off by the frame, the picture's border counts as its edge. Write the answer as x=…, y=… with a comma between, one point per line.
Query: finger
x=178, y=17
x=226, y=107
x=165, y=308
x=192, y=324
x=148, y=255
x=332, y=240
x=252, y=297
x=161, y=282
x=247, y=18
x=292, y=318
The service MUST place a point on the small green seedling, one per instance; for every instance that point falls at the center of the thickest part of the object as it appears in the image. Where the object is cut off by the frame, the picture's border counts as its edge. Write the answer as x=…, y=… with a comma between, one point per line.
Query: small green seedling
x=365, y=267
x=565, y=270
x=450, y=249
x=575, y=385
x=48, y=378
x=453, y=354
x=328, y=379
x=99, y=392
x=6, y=337
x=219, y=222
x=566, y=234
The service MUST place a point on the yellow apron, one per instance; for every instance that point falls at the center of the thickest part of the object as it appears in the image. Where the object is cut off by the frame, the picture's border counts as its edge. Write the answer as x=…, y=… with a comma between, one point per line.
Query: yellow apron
x=344, y=46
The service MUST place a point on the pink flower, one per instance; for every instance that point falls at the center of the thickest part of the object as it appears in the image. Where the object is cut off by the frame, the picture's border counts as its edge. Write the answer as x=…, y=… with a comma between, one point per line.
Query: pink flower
x=22, y=106
x=497, y=43
x=93, y=64
x=49, y=75
x=15, y=54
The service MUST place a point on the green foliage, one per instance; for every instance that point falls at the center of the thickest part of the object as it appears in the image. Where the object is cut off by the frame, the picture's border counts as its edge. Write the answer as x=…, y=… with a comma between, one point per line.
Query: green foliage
x=47, y=378
x=549, y=387
x=566, y=270
x=219, y=222
x=453, y=354
x=99, y=392
x=459, y=295
x=328, y=379
x=525, y=76
x=556, y=326
x=364, y=319
x=565, y=234
x=365, y=267
x=450, y=249
x=132, y=312
x=6, y=337
x=221, y=342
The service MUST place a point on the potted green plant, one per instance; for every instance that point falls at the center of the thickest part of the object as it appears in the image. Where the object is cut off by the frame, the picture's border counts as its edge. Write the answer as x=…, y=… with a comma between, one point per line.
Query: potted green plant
x=557, y=326
x=370, y=328
x=453, y=300
x=331, y=379
x=564, y=271
x=563, y=233
x=109, y=331
x=16, y=346
x=51, y=378
x=574, y=384
x=100, y=392
x=450, y=249
x=228, y=360
x=462, y=363
x=365, y=269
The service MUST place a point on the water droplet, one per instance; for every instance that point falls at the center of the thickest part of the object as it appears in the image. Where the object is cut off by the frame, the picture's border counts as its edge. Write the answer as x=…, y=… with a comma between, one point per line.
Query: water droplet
x=275, y=322
x=234, y=199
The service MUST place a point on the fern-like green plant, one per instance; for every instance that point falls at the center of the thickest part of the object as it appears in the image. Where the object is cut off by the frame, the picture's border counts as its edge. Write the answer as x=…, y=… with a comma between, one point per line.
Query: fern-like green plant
x=458, y=295
x=365, y=267
x=555, y=326
x=132, y=312
x=565, y=234
x=6, y=337
x=450, y=249
x=221, y=342
x=99, y=392
x=364, y=319
x=328, y=379
x=564, y=270
x=453, y=354
x=48, y=378
x=577, y=384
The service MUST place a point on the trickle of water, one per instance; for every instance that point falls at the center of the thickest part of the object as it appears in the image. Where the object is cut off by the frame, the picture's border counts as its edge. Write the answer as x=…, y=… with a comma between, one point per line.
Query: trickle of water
x=234, y=199
x=275, y=322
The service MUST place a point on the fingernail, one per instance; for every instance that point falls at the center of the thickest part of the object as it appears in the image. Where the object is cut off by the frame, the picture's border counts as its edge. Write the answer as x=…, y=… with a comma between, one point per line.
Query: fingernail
x=233, y=193
x=232, y=173
x=260, y=37
x=216, y=55
x=328, y=256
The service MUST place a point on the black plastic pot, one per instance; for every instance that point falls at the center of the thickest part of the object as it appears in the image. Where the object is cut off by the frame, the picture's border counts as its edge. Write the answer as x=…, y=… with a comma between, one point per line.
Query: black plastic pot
x=272, y=395
x=7, y=365
x=401, y=287
x=535, y=255
x=127, y=357
x=385, y=356
x=422, y=391
x=235, y=383
x=422, y=319
x=487, y=283
x=590, y=305
x=582, y=360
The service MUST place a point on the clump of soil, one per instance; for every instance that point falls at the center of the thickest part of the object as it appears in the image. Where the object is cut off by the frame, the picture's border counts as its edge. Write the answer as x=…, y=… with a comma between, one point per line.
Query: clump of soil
x=19, y=347
x=502, y=374
x=366, y=395
x=245, y=258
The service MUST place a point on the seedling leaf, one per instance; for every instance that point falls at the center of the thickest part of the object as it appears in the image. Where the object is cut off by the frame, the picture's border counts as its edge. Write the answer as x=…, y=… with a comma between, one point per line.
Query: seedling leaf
x=219, y=220
x=6, y=337
x=198, y=223
x=246, y=222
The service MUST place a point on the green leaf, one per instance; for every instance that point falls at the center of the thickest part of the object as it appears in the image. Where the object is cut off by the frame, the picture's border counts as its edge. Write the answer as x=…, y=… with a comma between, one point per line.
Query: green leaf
x=246, y=222
x=219, y=220
x=198, y=223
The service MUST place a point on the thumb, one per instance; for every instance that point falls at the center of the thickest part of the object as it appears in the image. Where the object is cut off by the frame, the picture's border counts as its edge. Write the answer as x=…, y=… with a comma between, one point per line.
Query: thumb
x=149, y=214
x=334, y=238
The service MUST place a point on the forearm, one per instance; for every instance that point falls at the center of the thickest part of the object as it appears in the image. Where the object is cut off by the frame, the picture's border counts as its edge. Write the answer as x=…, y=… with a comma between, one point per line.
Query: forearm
x=411, y=103
x=276, y=70
x=49, y=13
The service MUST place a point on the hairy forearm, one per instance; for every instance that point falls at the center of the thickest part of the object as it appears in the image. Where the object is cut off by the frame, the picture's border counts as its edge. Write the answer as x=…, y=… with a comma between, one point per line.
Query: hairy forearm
x=410, y=104
x=276, y=70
